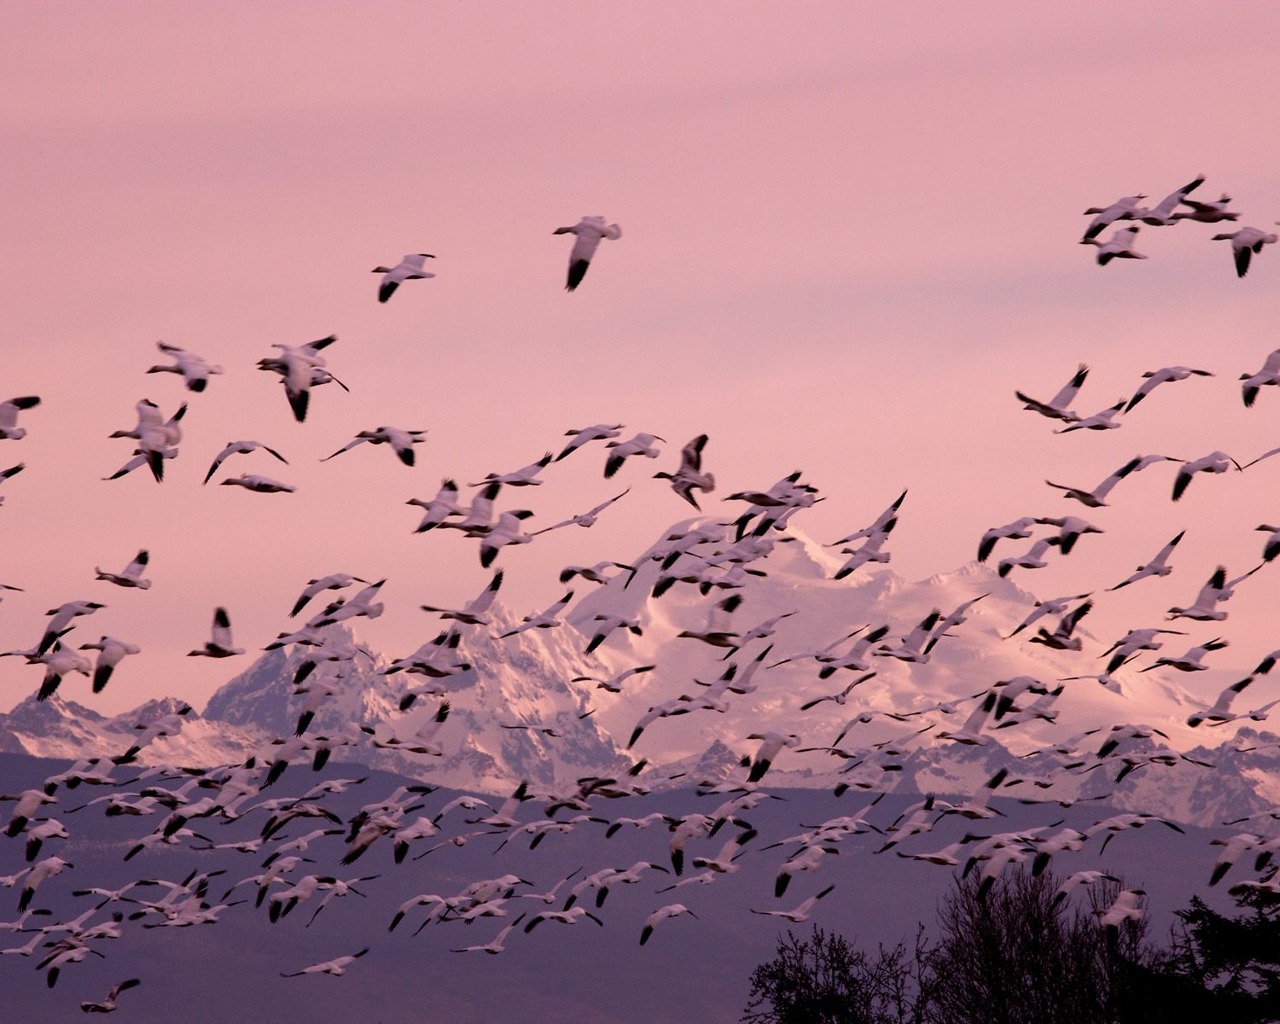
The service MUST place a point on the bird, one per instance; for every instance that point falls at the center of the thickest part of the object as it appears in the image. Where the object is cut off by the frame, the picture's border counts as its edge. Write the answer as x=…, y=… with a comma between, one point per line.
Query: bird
x=130, y=575
x=1033, y=558
x=1165, y=375
x=1104, y=420
x=1118, y=246
x=301, y=367
x=60, y=620
x=334, y=581
x=588, y=519
x=584, y=435
x=111, y=651
x=1052, y=606
x=1214, y=462
x=1193, y=659
x=1124, y=208
x=219, y=644
x=476, y=611
x=798, y=914
x=108, y=1002
x=9, y=409
x=1097, y=497
x=195, y=370
x=1244, y=244
x=1207, y=213
x=1019, y=529
x=1128, y=906
x=401, y=442
x=410, y=268
x=523, y=477
x=547, y=619
x=496, y=945
x=620, y=451
x=689, y=477
x=1157, y=566
x=1269, y=374
x=5, y=474
x=261, y=484
x=662, y=914
x=1205, y=606
x=1057, y=407
x=1161, y=214
x=239, y=448
x=336, y=967
x=588, y=232
x=1219, y=712
x=504, y=532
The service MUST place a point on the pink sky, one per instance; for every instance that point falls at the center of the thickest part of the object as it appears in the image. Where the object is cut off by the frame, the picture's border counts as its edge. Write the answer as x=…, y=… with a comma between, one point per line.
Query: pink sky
x=849, y=233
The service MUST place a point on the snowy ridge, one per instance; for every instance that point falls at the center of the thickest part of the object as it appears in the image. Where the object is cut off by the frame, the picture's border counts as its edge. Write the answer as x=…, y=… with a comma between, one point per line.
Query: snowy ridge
x=517, y=713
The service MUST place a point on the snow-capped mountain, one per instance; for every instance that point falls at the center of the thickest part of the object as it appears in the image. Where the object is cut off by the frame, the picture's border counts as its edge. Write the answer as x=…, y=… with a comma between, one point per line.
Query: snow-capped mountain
x=522, y=711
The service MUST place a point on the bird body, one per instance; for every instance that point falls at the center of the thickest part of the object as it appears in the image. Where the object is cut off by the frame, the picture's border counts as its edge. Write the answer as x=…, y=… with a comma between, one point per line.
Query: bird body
x=588, y=231
x=410, y=268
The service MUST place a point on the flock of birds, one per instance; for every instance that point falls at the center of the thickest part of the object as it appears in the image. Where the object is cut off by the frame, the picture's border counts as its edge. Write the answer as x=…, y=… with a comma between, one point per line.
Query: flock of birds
x=1246, y=242
x=714, y=558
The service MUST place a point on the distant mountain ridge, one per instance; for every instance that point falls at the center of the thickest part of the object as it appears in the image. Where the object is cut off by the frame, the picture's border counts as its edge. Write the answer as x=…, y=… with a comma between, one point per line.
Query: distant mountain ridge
x=518, y=714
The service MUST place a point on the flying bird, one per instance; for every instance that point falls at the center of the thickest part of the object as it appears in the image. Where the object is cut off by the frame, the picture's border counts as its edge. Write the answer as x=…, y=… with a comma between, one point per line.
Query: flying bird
x=589, y=231
x=130, y=575
x=401, y=442
x=9, y=409
x=1118, y=247
x=1268, y=375
x=689, y=477
x=1057, y=407
x=240, y=448
x=195, y=370
x=1166, y=375
x=410, y=268
x=1245, y=243
x=219, y=644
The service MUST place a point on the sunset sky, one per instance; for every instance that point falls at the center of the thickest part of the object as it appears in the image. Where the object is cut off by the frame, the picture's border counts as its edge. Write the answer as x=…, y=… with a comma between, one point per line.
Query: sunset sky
x=849, y=234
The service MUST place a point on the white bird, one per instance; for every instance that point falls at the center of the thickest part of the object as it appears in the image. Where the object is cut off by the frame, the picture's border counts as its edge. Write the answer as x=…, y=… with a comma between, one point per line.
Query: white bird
x=476, y=611
x=771, y=743
x=1104, y=420
x=336, y=967
x=641, y=444
x=588, y=519
x=797, y=914
x=1205, y=606
x=361, y=605
x=1244, y=244
x=1157, y=566
x=598, y=432
x=1207, y=213
x=662, y=914
x=300, y=367
x=1033, y=558
x=130, y=575
x=111, y=651
x=1193, y=659
x=496, y=945
x=1166, y=375
x=1124, y=208
x=219, y=644
x=240, y=448
x=60, y=620
x=9, y=409
x=1214, y=462
x=260, y=484
x=504, y=532
x=11, y=471
x=1128, y=906
x=334, y=581
x=1161, y=214
x=1057, y=407
x=589, y=231
x=1118, y=247
x=195, y=370
x=689, y=476
x=548, y=619
x=401, y=442
x=108, y=1002
x=526, y=476
x=410, y=268
x=1132, y=642
x=1268, y=375
x=1097, y=497
x=439, y=508
x=1219, y=712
